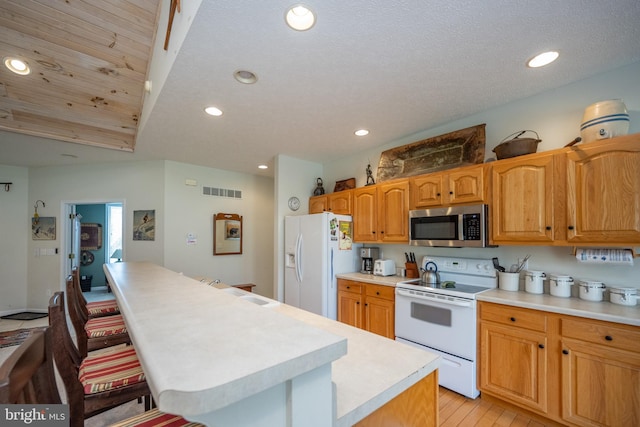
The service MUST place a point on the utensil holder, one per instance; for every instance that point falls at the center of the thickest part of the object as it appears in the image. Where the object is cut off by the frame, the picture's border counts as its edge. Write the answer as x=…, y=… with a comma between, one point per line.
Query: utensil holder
x=411, y=270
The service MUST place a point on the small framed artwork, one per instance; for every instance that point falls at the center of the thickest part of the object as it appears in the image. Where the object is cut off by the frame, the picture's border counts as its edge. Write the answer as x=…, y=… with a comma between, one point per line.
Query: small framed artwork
x=144, y=225
x=90, y=236
x=43, y=228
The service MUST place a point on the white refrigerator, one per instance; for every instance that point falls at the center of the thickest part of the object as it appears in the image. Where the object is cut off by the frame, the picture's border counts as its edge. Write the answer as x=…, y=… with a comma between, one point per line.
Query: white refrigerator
x=317, y=247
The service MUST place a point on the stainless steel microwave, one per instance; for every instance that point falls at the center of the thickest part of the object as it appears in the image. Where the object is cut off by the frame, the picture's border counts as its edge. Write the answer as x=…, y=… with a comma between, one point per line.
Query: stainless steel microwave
x=459, y=226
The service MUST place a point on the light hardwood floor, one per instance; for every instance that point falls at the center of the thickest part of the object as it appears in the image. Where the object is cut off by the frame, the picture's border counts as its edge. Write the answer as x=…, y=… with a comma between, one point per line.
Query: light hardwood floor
x=458, y=410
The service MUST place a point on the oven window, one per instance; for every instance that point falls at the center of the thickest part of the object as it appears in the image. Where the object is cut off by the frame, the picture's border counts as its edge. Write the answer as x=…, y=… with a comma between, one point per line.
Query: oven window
x=431, y=314
x=435, y=228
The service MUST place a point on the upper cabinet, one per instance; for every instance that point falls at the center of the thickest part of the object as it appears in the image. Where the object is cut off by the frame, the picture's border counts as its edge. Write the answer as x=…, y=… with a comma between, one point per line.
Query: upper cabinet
x=587, y=194
x=522, y=208
x=381, y=213
x=603, y=192
x=338, y=203
x=458, y=186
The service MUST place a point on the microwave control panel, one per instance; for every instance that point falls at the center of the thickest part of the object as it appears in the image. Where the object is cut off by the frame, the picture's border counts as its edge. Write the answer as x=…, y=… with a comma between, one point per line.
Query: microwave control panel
x=472, y=226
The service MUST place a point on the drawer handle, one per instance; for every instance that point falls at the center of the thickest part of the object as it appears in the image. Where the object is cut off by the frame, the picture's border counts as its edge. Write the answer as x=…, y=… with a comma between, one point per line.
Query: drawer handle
x=438, y=194
x=565, y=351
x=377, y=293
x=348, y=287
x=548, y=228
x=513, y=319
x=570, y=227
x=540, y=345
x=608, y=338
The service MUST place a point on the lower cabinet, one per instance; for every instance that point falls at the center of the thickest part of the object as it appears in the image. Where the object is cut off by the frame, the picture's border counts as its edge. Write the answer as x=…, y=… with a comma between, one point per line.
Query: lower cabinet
x=367, y=306
x=572, y=370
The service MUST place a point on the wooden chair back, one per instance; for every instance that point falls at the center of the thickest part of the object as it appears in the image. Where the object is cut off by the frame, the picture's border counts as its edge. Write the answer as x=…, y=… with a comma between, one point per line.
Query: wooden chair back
x=77, y=319
x=27, y=376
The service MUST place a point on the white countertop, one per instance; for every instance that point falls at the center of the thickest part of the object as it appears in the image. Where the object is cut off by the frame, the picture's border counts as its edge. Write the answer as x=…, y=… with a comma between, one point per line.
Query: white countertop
x=370, y=278
x=203, y=349
x=602, y=310
x=245, y=347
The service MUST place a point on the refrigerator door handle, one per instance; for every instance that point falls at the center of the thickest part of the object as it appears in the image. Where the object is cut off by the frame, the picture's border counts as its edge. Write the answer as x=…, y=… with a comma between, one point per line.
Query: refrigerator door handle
x=299, y=258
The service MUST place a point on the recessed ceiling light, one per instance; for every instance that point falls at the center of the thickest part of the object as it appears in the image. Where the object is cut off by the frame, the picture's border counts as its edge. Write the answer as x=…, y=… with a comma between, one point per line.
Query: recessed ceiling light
x=246, y=77
x=300, y=17
x=362, y=132
x=543, y=59
x=263, y=167
x=16, y=65
x=213, y=111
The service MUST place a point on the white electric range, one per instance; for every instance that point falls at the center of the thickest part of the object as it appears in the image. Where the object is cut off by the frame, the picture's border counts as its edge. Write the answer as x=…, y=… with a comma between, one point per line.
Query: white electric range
x=441, y=318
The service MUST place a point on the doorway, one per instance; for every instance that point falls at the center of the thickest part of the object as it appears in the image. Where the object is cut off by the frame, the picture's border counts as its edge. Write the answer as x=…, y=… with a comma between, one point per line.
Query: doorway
x=95, y=237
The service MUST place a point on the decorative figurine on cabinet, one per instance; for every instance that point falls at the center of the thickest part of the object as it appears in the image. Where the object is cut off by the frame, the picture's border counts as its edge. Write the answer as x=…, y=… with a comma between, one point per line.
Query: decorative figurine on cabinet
x=319, y=191
x=370, y=180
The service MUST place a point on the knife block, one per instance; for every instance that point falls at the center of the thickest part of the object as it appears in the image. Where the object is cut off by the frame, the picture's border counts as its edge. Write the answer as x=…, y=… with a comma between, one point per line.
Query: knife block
x=411, y=270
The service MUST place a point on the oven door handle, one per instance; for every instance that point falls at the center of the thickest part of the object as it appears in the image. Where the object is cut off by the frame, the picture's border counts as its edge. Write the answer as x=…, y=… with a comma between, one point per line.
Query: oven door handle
x=456, y=302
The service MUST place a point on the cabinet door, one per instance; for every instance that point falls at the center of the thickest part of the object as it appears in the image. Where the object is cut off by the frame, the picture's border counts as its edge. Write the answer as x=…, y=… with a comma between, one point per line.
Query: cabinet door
x=393, y=212
x=350, y=308
x=513, y=365
x=426, y=191
x=600, y=386
x=365, y=218
x=340, y=202
x=523, y=200
x=379, y=316
x=317, y=204
x=466, y=185
x=603, y=186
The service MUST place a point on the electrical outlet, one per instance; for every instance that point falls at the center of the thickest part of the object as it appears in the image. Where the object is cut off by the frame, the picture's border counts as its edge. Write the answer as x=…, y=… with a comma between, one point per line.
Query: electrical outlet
x=525, y=266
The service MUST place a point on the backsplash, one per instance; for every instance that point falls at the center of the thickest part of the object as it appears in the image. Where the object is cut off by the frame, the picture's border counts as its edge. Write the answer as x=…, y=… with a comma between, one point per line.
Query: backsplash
x=554, y=260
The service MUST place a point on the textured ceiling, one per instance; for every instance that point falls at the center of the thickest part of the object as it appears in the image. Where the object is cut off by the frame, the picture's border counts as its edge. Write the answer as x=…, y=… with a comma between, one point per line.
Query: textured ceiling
x=395, y=68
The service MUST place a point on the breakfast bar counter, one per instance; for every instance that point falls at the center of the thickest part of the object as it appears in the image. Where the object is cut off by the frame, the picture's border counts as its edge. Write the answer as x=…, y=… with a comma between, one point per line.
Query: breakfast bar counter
x=226, y=357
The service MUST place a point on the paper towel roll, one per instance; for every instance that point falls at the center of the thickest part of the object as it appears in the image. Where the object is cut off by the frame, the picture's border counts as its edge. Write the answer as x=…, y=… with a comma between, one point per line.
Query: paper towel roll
x=605, y=256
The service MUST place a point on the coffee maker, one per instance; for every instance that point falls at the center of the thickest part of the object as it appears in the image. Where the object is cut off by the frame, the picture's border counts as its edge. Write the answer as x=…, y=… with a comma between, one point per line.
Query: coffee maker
x=368, y=255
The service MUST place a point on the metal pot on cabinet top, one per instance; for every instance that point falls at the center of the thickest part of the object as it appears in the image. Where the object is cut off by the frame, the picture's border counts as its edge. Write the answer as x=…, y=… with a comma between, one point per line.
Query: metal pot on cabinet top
x=319, y=190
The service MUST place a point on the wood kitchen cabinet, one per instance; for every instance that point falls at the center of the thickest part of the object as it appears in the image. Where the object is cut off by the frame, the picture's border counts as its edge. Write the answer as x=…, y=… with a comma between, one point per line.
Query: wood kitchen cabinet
x=570, y=369
x=339, y=203
x=600, y=373
x=458, y=186
x=381, y=213
x=513, y=355
x=523, y=203
x=367, y=306
x=603, y=192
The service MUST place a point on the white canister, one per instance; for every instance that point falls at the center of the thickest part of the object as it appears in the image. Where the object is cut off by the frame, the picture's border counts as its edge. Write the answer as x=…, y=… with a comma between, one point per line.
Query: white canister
x=604, y=119
x=560, y=285
x=623, y=296
x=591, y=290
x=533, y=281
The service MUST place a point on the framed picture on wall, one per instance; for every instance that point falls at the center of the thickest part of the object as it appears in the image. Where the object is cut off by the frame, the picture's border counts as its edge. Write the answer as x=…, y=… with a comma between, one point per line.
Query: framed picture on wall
x=144, y=225
x=90, y=236
x=43, y=228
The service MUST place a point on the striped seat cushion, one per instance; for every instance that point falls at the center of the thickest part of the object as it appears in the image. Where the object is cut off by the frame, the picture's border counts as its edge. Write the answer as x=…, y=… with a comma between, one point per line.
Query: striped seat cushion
x=154, y=418
x=104, y=326
x=110, y=370
x=102, y=308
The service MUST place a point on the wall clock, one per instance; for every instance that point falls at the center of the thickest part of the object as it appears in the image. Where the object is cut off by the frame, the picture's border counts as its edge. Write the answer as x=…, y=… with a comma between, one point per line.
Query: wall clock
x=294, y=203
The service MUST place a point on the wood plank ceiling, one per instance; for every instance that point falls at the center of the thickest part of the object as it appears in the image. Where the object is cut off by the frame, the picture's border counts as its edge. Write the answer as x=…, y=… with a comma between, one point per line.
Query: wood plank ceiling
x=89, y=60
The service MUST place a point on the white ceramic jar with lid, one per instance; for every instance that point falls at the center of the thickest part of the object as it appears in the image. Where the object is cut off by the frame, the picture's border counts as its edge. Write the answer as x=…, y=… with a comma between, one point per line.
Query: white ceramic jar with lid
x=623, y=296
x=533, y=281
x=560, y=285
x=591, y=290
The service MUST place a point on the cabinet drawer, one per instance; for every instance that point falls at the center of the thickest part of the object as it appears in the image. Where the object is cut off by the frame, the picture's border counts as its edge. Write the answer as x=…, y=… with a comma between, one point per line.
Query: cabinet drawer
x=350, y=286
x=610, y=334
x=514, y=316
x=381, y=291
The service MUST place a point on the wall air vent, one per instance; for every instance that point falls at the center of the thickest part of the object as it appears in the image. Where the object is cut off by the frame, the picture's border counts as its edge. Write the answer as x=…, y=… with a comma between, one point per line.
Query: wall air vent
x=222, y=192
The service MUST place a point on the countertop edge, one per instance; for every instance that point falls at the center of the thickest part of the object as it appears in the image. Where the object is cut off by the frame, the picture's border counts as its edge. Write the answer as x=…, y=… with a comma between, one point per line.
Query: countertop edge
x=603, y=310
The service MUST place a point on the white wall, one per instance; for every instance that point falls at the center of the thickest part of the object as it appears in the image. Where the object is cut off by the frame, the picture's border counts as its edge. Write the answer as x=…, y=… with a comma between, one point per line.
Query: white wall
x=187, y=210
x=15, y=218
x=556, y=116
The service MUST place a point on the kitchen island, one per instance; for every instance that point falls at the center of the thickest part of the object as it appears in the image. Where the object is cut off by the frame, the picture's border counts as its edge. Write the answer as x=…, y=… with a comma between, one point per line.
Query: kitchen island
x=224, y=358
